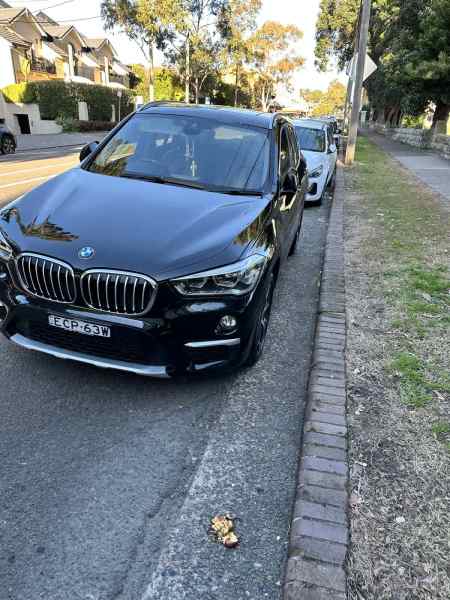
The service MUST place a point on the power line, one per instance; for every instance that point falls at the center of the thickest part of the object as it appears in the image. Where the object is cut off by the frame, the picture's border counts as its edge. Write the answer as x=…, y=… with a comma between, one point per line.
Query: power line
x=55, y=5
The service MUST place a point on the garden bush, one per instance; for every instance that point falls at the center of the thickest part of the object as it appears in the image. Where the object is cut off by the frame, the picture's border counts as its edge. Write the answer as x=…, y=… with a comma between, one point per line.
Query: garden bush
x=60, y=99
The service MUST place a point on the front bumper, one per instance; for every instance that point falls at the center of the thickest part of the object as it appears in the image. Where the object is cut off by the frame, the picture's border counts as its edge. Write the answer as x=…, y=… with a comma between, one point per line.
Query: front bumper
x=316, y=187
x=173, y=340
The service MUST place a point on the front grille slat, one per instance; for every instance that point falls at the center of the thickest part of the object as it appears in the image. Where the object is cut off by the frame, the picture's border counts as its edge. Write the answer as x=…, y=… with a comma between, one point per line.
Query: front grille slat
x=125, y=294
x=44, y=279
x=118, y=292
x=108, y=277
x=37, y=276
x=115, y=293
x=33, y=287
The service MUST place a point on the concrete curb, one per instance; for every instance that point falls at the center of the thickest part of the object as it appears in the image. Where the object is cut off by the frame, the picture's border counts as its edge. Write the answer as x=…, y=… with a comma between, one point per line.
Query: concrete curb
x=320, y=528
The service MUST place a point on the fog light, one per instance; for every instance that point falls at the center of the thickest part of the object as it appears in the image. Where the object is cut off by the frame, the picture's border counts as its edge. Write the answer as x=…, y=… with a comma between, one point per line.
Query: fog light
x=227, y=323
x=3, y=312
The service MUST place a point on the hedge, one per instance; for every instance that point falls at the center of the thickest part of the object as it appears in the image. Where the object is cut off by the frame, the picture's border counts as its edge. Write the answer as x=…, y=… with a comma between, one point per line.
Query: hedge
x=60, y=99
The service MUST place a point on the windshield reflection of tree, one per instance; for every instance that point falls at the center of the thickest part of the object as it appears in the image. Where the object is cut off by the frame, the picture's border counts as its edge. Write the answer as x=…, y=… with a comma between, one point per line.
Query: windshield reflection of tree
x=250, y=233
x=45, y=230
x=107, y=164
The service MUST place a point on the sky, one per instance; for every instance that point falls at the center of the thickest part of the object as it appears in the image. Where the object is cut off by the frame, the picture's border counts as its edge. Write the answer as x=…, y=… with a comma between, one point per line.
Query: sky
x=302, y=13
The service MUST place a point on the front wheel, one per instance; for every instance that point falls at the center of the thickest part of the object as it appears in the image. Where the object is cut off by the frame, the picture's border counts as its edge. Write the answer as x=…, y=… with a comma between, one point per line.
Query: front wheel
x=262, y=324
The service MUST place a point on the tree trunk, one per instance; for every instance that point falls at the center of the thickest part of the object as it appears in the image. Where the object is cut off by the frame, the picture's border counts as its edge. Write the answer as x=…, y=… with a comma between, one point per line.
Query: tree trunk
x=151, y=72
x=440, y=117
x=390, y=116
x=188, y=72
x=236, y=85
x=197, y=90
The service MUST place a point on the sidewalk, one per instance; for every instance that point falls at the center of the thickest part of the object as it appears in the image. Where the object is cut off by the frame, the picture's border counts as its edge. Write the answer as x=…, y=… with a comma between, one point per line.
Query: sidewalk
x=61, y=140
x=429, y=167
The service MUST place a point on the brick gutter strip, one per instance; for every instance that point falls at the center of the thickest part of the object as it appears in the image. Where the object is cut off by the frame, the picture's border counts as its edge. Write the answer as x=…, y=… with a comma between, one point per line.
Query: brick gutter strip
x=320, y=528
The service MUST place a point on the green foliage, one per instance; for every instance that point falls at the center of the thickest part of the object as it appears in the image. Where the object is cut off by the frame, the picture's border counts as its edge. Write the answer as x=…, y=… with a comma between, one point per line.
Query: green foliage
x=167, y=83
x=60, y=99
x=410, y=43
x=330, y=102
x=67, y=124
x=19, y=92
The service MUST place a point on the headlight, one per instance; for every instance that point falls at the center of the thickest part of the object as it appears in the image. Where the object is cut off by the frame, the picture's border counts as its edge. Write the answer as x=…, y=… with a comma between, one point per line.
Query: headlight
x=317, y=172
x=236, y=279
x=5, y=248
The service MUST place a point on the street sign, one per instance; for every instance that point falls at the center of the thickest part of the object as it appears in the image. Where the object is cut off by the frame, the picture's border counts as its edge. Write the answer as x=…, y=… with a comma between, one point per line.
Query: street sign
x=369, y=67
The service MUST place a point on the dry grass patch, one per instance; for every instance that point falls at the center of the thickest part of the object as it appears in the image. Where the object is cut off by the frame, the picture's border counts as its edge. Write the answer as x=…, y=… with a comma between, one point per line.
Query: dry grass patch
x=398, y=303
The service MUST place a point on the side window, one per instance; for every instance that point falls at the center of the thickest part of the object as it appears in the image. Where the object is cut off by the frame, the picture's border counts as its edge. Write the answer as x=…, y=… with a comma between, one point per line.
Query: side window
x=286, y=157
x=294, y=147
x=330, y=136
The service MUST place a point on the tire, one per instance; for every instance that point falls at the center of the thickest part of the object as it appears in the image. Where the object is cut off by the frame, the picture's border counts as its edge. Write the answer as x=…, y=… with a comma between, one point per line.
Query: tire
x=262, y=324
x=7, y=145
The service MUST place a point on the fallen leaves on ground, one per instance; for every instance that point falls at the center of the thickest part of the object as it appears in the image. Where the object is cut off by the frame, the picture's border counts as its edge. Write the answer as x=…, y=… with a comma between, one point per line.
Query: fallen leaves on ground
x=222, y=529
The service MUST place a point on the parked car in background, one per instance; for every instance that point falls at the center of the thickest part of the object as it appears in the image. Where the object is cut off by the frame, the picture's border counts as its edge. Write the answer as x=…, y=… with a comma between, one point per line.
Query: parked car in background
x=316, y=142
x=7, y=140
x=335, y=129
x=160, y=253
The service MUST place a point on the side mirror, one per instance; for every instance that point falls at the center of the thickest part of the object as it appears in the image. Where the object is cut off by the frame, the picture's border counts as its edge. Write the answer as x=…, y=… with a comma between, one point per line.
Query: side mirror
x=332, y=149
x=88, y=149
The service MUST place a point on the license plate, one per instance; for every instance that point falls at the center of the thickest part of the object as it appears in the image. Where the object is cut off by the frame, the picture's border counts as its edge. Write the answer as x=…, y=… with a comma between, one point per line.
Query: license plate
x=77, y=326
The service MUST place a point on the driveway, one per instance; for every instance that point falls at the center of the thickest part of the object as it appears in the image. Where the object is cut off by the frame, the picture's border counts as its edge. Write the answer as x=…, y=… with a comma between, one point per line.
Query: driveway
x=108, y=480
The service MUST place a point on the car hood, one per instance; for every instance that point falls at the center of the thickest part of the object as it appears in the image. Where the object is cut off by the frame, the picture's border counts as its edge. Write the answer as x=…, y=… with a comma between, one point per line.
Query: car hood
x=159, y=230
x=314, y=159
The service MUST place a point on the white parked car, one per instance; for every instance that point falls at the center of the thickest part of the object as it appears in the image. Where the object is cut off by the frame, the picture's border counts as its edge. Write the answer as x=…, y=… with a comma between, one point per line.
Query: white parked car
x=317, y=144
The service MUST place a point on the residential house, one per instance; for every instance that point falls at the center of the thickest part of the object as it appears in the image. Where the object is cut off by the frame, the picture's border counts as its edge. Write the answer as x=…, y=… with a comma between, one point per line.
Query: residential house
x=35, y=47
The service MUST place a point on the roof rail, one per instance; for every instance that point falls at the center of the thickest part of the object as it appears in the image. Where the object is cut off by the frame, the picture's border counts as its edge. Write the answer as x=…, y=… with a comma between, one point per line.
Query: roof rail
x=159, y=103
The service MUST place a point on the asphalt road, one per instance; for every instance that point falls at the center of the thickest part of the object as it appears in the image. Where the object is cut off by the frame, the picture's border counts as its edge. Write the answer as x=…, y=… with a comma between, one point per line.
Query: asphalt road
x=108, y=480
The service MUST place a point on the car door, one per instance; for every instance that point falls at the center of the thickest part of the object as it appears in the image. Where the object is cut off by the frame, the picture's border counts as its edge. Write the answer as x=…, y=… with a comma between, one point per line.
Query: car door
x=288, y=185
x=302, y=171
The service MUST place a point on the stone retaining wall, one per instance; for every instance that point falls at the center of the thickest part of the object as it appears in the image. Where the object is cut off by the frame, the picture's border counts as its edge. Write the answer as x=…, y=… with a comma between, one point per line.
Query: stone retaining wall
x=420, y=138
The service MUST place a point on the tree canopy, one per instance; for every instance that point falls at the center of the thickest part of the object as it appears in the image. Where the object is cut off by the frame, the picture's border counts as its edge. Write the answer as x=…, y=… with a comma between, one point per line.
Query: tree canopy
x=328, y=102
x=410, y=43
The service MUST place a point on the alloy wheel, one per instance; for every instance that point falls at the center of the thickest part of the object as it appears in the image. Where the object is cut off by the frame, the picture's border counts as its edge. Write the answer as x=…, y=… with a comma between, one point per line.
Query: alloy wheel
x=261, y=332
x=8, y=146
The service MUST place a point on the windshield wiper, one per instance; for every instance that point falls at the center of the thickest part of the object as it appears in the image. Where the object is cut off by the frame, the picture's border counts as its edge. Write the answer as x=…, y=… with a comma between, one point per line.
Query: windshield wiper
x=141, y=176
x=236, y=192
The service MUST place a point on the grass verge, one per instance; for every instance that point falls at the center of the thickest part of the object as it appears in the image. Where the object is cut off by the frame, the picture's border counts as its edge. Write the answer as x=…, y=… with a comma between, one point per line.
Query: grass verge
x=398, y=302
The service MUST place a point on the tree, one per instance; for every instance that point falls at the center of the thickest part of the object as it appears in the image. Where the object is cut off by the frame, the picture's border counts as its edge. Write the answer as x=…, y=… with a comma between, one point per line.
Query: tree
x=146, y=22
x=274, y=58
x=167, y=84
x=330, y=102
x=238, y=23
x=196, y=41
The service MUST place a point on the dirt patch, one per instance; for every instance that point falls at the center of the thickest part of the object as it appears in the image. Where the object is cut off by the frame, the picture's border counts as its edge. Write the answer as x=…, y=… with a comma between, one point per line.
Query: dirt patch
x=398, y=355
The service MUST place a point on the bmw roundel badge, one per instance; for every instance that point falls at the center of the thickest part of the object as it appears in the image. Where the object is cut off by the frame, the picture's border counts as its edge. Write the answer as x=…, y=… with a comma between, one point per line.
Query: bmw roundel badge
x=86, y=252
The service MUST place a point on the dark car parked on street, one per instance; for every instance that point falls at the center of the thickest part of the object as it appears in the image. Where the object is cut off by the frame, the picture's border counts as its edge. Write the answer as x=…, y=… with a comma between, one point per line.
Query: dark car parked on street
x=159, y=254
x=7, y=140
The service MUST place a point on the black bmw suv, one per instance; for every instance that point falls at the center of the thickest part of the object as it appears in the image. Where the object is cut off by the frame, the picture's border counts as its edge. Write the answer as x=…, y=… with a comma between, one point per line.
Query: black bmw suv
x=159, y=254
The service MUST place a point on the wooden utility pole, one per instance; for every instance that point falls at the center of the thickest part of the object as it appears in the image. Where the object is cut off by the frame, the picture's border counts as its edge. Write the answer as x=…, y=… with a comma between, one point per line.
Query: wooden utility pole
x=359, y=78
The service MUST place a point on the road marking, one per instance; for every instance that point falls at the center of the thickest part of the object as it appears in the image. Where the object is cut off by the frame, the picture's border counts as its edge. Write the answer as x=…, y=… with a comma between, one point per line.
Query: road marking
x=7, y=174
x=20, y=183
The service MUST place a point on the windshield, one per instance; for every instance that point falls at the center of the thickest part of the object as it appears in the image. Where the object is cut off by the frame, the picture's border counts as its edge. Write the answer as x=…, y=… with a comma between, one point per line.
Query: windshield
x=192, y=151
x=311, y=139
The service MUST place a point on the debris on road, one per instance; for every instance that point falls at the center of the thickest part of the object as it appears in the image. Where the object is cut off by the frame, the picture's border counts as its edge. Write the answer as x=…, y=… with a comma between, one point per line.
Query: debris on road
x=222, y=529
